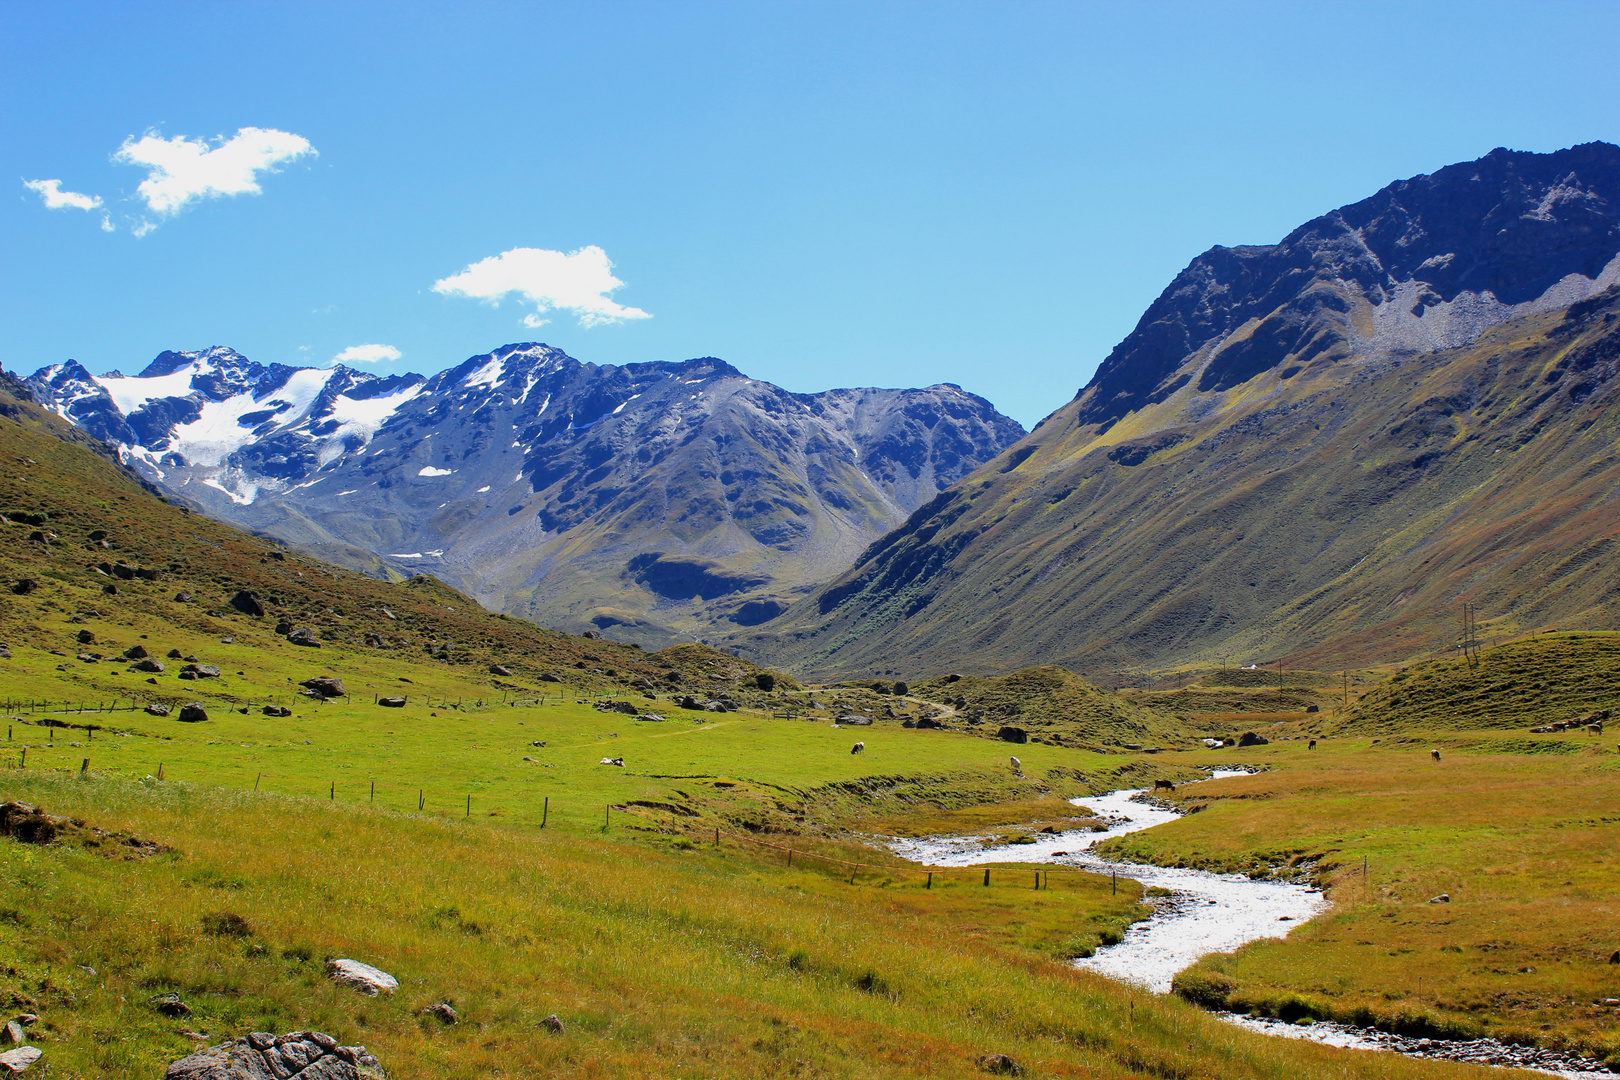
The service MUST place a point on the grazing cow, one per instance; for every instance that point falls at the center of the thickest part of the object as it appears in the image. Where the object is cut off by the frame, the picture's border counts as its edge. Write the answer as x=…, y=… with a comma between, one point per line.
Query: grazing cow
x=619, y=761
x=1313, y=745
x=1017, y=765
x=1163, y=785
x=857, y=748
x=1435, y=754
x=1595, y=729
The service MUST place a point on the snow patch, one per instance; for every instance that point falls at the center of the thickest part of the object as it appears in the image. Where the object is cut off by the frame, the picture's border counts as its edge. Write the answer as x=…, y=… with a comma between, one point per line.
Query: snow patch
x=428, y=470
x=483, y=489
x=489, y=375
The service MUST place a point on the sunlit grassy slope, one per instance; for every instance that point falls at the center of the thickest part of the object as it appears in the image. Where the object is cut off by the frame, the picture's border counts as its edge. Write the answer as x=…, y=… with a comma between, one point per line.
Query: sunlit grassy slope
x=683, y=963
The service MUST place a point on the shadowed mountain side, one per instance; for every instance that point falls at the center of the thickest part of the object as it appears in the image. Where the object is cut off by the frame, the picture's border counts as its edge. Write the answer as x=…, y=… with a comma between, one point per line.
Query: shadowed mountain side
x=1336, y=515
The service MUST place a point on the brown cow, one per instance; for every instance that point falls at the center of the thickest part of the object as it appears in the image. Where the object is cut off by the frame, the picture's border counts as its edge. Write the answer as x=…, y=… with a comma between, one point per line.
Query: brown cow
x=1435, y=754
x=1163, y=785
x=1313, y=745
x=857, y=748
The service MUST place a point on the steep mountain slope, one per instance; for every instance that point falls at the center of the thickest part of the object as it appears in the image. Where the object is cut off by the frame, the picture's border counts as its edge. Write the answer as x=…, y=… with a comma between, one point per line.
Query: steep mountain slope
x=1271, y=464
x=650, y=500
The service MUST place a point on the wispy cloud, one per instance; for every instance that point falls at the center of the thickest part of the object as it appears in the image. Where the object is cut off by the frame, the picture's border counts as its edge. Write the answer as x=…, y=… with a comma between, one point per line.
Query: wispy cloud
x=182, y=171
x=367, y=354
x=57, y=199
x=578, y=282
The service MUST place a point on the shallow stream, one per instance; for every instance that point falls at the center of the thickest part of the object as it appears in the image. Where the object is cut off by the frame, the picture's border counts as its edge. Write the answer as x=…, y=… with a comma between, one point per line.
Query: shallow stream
x=1209, y=913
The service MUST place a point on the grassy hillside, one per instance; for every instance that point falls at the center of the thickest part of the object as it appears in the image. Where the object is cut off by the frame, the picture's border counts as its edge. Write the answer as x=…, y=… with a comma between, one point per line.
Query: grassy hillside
x=1519, y=685
x=1052, y=705
x=1522, y=842
x=1335, y=515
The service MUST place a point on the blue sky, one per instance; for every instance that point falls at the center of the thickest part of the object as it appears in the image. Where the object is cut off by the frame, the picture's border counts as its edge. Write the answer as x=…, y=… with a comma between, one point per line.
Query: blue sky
x=822, y=194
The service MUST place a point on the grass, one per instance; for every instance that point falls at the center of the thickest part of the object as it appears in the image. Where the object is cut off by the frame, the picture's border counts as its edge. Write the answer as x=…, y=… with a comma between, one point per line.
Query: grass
x=1524, y=844
x=675, y=963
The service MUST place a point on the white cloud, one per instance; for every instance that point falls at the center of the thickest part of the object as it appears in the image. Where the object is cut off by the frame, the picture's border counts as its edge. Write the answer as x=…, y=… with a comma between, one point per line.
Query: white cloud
x=182, y=171
x=57, y=199
x=578, y=282
x=367, y=354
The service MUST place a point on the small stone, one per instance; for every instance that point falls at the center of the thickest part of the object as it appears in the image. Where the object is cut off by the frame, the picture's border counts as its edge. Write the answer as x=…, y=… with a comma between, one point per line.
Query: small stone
x=19, y=1059
x=553, y=1024
x=14, y=1033
x=363, y=977
x=444, y=1011
x=170, y=1005
x=1000, y=1064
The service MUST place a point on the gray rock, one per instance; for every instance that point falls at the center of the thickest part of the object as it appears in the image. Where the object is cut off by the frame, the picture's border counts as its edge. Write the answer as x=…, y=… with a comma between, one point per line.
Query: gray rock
x=549, y=677
x=326, y=686
x=363, y=977
x=500, y=669
x=277, y=710
x=298, y=1055
x=19, y=1059
x=182, y=597
x=391, y=702
x=193, y=713
x=15, y=1034
x=135, y=652
x=303, y=635
x=147, y=665
x=200, y=671
x=1249, y=738
x=157, y=708
x=247, y=603
x=855, y=720
x=86, y=638
x=1443, y=898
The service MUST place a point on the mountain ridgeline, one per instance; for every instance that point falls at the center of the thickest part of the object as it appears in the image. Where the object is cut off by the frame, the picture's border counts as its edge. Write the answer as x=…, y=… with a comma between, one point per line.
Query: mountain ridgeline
x=1317, y=449
x=650, y=501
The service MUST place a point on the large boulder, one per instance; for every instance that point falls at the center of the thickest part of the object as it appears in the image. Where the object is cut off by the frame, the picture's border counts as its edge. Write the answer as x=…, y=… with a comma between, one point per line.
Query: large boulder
x=135, y=652
x=15, y=1061
x=277, y=710
x=326, y=686
x=501, y=670
x=303, y=635
x=247, y=603
x=853, y=720
x=85, y=637
x=193, y=713
x=548, y=677
x=1013, y=734
x=297, y=1055
x=157, y=708
x=1249, y=738
x=363, y=977
x=200, y=671
x=391, y=702
x=149, y=665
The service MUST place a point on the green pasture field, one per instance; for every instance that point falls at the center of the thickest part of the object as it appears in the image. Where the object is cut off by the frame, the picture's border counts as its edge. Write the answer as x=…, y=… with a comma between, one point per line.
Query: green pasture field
x=660, y=963
x=1521, y=832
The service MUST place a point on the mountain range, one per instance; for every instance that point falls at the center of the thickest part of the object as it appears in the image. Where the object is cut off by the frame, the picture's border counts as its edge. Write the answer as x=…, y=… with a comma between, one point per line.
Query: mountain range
x=650, y=501
x=1317, y=450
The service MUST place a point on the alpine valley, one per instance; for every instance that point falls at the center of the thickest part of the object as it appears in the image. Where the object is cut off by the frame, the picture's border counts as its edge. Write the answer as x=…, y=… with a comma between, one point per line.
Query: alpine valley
x=650, y=501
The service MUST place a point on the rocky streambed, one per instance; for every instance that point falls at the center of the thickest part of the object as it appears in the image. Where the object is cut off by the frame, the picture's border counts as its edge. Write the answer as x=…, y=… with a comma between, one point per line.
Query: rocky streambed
x=1209, y=913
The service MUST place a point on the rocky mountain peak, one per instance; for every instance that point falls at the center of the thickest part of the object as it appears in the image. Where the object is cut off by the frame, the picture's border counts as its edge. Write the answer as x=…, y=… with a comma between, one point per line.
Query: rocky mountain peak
x=1424, y=264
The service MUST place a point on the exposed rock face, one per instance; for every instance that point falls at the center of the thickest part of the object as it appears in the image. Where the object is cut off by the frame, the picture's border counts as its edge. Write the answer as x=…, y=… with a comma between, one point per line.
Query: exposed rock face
x=1427, y=263
x=683, y=495
x=1278, y=461
x=297, y=1055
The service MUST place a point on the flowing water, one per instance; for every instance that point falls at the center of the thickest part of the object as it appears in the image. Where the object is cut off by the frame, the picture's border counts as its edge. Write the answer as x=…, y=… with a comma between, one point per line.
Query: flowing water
x=1209, y=913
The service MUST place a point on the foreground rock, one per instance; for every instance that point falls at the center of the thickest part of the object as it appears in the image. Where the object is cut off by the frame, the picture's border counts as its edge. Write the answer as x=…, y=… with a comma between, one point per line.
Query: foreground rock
x=325, y=686
x=193, y=713
x=363, y=977
x=306, y=1055
x=19, y=1059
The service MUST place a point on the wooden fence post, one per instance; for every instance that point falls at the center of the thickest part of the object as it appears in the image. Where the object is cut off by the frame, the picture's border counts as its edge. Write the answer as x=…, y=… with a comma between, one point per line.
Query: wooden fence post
x=987, y=875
